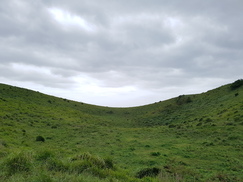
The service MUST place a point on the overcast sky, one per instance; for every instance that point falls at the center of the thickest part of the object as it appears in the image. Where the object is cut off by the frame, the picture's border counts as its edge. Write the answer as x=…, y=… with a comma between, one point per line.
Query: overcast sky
x=120, y=53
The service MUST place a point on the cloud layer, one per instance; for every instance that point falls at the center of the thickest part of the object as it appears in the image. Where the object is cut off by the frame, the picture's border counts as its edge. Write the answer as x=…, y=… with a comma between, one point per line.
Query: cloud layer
x=120, y=53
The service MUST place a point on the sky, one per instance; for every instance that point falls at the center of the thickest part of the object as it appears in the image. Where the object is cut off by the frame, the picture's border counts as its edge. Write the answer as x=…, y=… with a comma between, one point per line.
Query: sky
x=120, y=53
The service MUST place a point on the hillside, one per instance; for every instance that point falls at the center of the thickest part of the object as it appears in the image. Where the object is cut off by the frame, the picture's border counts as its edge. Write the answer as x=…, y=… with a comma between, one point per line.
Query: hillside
x=188, y=138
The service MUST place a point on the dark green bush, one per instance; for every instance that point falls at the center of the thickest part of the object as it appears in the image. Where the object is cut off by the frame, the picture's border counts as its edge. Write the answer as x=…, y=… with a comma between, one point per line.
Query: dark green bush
x=148, y=172
x=109, y=163
x=172, y=126
x=233, y=137
x=182, y=99
x=222, y=177
x=40, y=139
x=208, y=120
x=3, y=143
x=110, y=112
x=199, y=124
x=188, y=100
x=236, y=84
x=155, y=153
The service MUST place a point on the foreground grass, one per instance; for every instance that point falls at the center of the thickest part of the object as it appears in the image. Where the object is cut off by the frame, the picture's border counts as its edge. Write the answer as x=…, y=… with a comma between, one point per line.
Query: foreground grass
x=188, y=138
x=45, y=165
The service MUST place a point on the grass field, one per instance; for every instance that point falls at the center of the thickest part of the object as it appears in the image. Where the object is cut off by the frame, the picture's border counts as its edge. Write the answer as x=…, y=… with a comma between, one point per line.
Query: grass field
x=188, y=138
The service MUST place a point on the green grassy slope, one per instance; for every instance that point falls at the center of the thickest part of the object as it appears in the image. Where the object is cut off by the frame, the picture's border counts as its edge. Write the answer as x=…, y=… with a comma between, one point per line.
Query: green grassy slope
x=188, y=138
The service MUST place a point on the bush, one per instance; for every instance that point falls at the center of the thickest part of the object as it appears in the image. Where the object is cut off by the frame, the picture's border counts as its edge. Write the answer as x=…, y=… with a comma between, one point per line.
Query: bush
x=109, y=163
x=221, y=177
x=148, y=172
x=199, y=124
x=172, y=126
x=236, y=84
x=109, y=112
x=182, y=99
x=40, y=139
x=155, y=153
x=208, y=120
x=3, y=143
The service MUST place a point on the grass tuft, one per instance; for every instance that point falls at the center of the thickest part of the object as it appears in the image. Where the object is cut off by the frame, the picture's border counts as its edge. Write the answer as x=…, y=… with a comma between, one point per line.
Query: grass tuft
x=17, y=162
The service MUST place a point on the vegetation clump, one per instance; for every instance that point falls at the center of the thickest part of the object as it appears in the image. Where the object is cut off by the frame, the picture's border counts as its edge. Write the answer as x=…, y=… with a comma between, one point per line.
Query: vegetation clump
x=16, y=163
x=40, y=139
x=182, y=99
x=236, y=84
x=155, y=153
x=148, y=172
x=96, y=161
x=44, y=155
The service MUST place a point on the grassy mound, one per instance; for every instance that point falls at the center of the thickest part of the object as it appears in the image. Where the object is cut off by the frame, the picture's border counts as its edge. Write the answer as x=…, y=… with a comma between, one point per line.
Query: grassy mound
x=187, y=138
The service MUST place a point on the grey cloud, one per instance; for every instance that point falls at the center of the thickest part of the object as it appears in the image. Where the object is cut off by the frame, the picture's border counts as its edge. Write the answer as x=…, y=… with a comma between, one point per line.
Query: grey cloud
x=146, y=44
x=38, y=77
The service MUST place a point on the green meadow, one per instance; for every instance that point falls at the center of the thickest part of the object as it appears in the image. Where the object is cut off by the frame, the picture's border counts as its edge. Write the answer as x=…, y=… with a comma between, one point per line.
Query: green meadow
x=188, y=138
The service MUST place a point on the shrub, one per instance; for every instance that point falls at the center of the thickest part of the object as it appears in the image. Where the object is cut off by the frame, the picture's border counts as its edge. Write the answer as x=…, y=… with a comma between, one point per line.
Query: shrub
x=40, y=139
x=172, y=126
x=54, y=127
x=199, y=124
x=3, y=143
x=155, y=153
x=148, y=172
x=109, y=112
x=236, y=84
x=109, y=163
x=188, y=100
x=182, y=99
x=234, y=137
x=208, y=120
x=237, y=119
x=221, y=177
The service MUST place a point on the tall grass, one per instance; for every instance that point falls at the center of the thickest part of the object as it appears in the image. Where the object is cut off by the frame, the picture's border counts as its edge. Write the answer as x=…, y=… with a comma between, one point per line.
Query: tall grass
x=17, y=162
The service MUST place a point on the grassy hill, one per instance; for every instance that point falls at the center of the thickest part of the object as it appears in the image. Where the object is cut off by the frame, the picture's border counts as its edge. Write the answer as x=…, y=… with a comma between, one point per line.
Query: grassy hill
x=188, y=138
